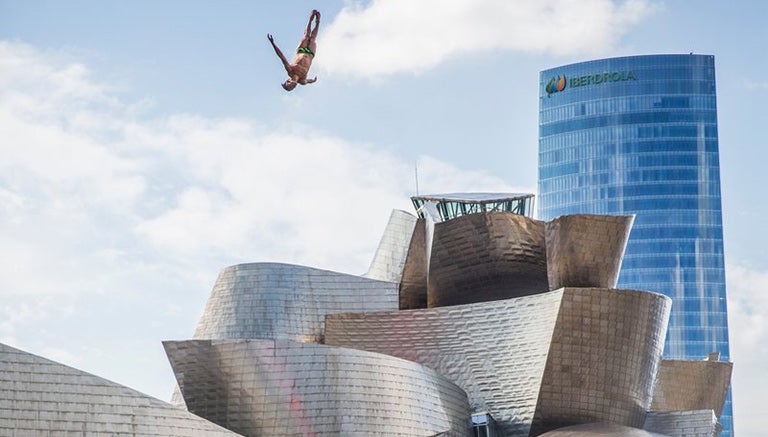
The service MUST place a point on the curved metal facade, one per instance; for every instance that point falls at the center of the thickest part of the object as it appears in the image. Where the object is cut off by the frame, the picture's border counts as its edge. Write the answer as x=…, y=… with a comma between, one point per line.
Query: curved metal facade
x=282, y=388
x=389, y=259
x=483, y=257
x=39, y=397
x=691, y=385
x=496, y=351
x=586, y=250
x=601, y=350
x=700, y=423
x=413, y=285
x=600, y=430
x=536, y=362
x=288, y=302
x=604, y=355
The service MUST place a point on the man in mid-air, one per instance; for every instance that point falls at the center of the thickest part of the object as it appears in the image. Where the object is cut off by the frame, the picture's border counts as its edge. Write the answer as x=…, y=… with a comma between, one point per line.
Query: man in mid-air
x=299, y=67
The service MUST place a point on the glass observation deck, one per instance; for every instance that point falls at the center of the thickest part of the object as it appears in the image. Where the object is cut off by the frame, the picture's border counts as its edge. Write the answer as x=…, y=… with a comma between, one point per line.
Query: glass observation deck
x=442, y=207
x=483, y=425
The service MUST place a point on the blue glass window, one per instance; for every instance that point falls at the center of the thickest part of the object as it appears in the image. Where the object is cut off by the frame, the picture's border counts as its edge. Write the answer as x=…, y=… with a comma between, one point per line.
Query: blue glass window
x=638, y=135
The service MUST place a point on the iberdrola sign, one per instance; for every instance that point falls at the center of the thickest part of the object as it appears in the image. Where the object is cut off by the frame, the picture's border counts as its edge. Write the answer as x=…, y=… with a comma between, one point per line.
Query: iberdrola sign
x=559, y=83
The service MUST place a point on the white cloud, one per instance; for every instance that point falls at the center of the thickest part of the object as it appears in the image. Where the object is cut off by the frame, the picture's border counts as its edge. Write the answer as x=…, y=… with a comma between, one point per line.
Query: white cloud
x=748, y=329
x=402, y=36
x=82, y=164
x=100, y=205
x=96, y=201
x=754, y=84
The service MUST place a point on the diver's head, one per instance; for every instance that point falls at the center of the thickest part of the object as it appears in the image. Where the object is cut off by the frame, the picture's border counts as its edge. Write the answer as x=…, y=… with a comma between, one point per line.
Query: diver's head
x=289, y=84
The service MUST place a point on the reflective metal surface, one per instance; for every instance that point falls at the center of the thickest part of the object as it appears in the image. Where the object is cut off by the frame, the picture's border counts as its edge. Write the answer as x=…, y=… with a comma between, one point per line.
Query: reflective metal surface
x=281, y=388
x=285, y=301
x=600, y=430
x=496, y=351
x=389, y=259
x=39, y=397
x=601, y=354
x=701, y=423
x=482, y=257
x=586, y=250
x=691, y=385
x=413, y=286
x=614, y=149
x=603, y=358
x=495, y=344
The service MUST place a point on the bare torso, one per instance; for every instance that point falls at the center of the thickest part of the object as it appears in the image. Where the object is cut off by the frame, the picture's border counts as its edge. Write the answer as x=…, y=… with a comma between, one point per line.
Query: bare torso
x=300, y=66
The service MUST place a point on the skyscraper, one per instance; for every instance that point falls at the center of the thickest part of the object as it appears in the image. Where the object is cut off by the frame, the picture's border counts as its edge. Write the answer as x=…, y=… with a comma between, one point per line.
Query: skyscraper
x=638, y=135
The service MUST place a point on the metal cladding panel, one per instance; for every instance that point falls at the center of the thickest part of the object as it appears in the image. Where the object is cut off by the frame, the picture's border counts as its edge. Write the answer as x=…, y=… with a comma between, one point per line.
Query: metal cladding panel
x=586, y=250
x=701, y=423
x=691, y=385
x=389, y=259
x=496, y=351
x=413, y=286
x=288, y=302
x=486, y=256
x=39, y=397
x=282, y=388
x=604, y=356
x=600, y=430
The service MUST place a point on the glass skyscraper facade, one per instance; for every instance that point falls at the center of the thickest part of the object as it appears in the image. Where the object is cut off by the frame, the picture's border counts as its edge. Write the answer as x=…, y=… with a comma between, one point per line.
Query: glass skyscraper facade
x=638, y=135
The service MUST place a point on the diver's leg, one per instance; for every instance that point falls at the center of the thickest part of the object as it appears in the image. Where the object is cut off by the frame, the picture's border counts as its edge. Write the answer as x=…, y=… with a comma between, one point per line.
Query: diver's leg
x=313, y=35
x=308, y=30
x=306, y=39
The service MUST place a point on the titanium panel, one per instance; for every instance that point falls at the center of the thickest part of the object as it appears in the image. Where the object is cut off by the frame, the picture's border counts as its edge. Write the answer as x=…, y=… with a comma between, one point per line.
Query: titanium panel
x=283, y=388
x=600, y=430
x=413, y=286
x=604, y=355
x=389, y=259
x=701, y=423
x=487, y=256
x=585, y=250
x=496, y=351
x=286, y=302
x=691, y=385
x=39, y=397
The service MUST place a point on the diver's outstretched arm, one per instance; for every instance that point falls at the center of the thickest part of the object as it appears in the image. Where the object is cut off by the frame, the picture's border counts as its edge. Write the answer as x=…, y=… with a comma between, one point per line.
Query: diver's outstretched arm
x=279, y=53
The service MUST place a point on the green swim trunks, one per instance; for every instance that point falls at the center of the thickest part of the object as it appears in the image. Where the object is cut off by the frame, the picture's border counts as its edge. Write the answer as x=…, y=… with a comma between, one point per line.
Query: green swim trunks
x=305, y=50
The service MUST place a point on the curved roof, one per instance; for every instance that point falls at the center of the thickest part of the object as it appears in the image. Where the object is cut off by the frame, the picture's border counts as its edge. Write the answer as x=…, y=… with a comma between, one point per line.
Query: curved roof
x=600, y=430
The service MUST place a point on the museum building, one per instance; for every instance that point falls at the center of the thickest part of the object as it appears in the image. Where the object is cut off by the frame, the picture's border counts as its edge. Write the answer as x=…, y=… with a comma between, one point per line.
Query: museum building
x=474, y=319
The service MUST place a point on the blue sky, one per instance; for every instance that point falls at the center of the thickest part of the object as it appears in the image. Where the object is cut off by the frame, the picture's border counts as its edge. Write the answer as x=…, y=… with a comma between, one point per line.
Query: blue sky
x=146, y=145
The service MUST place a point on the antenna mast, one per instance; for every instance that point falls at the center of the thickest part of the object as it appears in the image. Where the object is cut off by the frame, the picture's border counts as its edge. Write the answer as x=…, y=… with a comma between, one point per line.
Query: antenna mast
x=416, y=172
